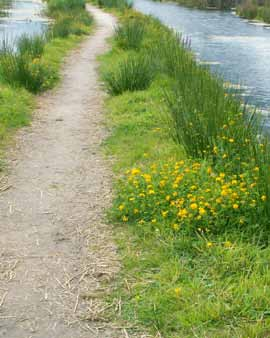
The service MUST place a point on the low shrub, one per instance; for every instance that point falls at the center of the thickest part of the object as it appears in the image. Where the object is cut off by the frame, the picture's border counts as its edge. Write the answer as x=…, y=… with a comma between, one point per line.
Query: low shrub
x=129, y=35
x=132, y=73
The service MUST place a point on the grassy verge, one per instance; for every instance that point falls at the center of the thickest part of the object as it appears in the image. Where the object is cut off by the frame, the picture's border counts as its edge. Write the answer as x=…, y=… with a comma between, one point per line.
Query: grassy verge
x=191, y=199
x=35, y=65
x=252, y=10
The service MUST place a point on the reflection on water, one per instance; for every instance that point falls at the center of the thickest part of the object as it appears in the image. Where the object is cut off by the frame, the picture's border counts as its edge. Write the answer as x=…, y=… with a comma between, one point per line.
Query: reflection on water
x=21, y=17
x=233, y=47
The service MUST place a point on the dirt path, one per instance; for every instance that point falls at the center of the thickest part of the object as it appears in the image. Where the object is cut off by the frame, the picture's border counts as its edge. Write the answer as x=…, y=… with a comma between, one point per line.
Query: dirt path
x=55, y=248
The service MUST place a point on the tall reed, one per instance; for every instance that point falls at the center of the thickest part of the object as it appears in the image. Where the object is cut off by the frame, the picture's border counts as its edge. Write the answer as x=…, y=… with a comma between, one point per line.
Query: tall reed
x=119, y=4
x=132, y=73
x=130, y=34
x=32, y=45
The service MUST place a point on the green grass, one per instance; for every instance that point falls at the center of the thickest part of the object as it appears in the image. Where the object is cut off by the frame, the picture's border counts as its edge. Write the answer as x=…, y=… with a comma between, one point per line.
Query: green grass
x=205, y=274
x=121, y=5
x=65, y=5
x=254, y=10
x=135, y=72
x=129, y=35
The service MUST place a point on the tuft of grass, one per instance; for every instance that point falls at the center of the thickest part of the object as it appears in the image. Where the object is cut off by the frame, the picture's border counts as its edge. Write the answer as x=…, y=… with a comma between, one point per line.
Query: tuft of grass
x=25, y=68
x=31, y=45
x=129, y=35
x=119, y=4
x=65, y=5
x=76, y=23
x=254, y=10
x=132, y=73
x=264, y=13
x=248, y=10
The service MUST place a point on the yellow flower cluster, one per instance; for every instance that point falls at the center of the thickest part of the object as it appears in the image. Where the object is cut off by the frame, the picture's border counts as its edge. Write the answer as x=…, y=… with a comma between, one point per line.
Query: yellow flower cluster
x=188, y=195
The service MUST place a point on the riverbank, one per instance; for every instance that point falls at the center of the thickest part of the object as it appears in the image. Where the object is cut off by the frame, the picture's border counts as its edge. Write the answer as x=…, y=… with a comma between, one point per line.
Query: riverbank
x=253, y=11
x=35, y=67
x=246, y=10
x=191, y=202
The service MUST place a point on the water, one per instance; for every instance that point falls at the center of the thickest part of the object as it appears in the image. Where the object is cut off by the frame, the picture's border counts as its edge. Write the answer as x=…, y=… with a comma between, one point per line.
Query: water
x=235, y=48
x=21, y=17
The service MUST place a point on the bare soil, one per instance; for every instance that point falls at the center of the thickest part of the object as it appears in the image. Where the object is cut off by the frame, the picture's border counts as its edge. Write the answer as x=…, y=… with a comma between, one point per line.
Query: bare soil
x=56, y=251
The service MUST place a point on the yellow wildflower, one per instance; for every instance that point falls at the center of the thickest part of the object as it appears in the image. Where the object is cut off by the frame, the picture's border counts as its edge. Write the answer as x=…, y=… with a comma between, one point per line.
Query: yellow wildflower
x=147, y=178
x=228, y=244
x=135, y=171
x=218, y=200
x=177, y=292
x=176, y=226
x=194, y=206
x=182, y=213
x=224, y=192
x=124, y=218
x=121, y=207
x=202, y=211
x=164, y=213
x=162, y=183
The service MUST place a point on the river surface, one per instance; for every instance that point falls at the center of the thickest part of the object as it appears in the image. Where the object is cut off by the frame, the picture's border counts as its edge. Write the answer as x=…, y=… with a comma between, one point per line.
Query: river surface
x=20, y=17
x=235, y=48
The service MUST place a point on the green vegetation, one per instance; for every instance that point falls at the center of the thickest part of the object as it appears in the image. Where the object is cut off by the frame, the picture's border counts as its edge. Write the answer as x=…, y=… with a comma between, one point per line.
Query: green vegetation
x=254, y=10
x=133, y=73
x=191, y=204
x=207, y=4
x=34, y=65
x=121, y=5
x=129, y=35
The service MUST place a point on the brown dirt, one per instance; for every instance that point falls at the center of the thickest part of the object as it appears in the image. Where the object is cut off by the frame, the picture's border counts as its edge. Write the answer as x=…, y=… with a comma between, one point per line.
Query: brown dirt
x=56, y=249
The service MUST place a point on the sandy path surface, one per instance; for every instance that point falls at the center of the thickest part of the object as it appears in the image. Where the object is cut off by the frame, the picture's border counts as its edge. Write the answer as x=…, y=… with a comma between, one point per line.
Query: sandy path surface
x=55, y=247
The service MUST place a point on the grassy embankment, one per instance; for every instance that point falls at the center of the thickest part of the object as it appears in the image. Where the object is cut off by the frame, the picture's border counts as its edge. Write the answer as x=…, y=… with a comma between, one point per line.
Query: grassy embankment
x=191, y=206
x=35, y=66
x=252, y=10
